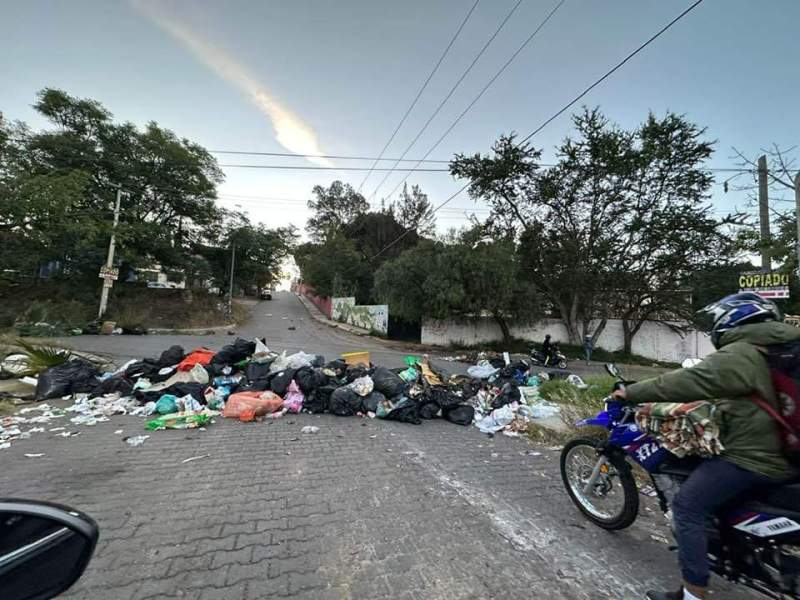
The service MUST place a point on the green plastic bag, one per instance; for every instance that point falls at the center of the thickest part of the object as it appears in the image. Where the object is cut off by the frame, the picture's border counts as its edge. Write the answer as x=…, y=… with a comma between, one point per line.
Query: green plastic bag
x=411, y=360
x=410, y=375
x=166, y=404
x=179, y=421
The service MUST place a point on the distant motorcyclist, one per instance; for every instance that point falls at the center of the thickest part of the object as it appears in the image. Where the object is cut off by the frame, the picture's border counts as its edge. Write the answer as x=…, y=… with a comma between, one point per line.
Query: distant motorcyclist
x=752, y=457
x=547, y=349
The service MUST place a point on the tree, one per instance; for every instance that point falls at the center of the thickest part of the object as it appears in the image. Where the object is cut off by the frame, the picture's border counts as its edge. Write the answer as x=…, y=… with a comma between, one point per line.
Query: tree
x=616, y=227
x=72, y=173
x=259, y=252
x=467, y=279
x=333, y=268
x=414, y=211
x=333, y=208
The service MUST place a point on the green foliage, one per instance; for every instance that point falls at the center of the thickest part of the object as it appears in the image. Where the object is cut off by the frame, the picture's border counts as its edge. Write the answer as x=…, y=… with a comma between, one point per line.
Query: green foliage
x=58, y=186
x=440, y=280
x=616, y=227
x=40, y=358
x=332, y=268
x=333, y=208
x=413, y=211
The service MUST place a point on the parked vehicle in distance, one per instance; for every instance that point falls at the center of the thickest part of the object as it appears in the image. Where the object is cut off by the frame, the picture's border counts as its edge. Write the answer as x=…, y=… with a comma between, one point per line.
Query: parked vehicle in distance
x=44, y=548
x=266, y=294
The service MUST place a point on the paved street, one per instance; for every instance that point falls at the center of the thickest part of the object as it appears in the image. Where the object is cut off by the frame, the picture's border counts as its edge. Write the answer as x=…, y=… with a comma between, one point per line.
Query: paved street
x=364, y=509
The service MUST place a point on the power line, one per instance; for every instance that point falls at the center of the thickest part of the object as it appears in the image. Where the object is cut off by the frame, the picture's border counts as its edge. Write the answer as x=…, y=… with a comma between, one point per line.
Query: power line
x=419, y=93
x=314, y=168
x=561, y=111
x=449, y=94
x=480, y=94
x=330, y=156
x=612, y=71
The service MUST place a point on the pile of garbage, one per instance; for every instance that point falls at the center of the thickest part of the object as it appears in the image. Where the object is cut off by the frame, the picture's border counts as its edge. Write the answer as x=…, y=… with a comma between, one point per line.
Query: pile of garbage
x=245, y=380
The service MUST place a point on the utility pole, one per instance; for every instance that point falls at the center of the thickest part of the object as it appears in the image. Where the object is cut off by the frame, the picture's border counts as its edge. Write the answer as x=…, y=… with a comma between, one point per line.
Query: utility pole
x=763, y=211
x=797, y=215
x=108, y=280
x=230, y=289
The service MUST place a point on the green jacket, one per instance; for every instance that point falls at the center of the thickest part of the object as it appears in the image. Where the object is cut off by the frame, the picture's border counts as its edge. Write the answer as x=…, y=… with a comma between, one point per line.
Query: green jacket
x=728, y=377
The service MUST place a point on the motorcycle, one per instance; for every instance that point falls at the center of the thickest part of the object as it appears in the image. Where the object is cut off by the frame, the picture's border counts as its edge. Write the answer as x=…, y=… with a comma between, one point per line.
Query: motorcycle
x=555, y=359
x=753, y=541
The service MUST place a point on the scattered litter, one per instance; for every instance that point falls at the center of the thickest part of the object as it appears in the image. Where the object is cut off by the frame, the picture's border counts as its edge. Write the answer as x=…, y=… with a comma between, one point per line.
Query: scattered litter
x=649, y=491
x=193, y=458
x=659, y=538
x=118, y=431
x=309, y=429
x=34, y=455
x=135, y=440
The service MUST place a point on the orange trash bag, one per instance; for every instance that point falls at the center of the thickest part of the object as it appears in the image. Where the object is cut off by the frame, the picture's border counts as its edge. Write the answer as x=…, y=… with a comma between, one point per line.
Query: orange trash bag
x=198, y=356
x=252, y=404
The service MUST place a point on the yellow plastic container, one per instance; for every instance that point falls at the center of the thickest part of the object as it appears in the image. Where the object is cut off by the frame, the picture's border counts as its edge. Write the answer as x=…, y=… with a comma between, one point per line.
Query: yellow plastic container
x=356, y=358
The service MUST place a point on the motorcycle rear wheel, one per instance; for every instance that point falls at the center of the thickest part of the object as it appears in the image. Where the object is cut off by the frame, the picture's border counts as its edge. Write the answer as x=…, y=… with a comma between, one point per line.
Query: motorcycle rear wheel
x=575, y=472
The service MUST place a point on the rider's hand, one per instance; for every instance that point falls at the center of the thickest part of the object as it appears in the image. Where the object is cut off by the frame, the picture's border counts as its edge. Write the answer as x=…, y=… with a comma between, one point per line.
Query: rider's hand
x=619, y=394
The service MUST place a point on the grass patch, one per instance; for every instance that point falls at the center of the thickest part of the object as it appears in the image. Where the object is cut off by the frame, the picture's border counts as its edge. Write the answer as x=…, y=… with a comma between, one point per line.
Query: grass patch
x=7, y=407
x=576, y=404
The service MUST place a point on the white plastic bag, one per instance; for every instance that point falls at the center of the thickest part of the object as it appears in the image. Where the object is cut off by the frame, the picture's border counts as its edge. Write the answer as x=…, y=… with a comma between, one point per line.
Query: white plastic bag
x=262, y=353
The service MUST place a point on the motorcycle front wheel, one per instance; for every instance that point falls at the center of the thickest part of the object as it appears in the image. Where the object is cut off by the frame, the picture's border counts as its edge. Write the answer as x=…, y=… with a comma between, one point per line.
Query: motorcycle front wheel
x=562, y=364
x=613, y=500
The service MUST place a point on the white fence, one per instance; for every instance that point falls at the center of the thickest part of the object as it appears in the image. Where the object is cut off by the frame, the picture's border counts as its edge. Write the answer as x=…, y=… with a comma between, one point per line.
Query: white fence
x=654, y=340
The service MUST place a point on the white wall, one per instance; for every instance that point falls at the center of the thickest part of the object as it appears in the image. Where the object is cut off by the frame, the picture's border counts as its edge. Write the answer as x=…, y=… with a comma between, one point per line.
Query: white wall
x=653, y=340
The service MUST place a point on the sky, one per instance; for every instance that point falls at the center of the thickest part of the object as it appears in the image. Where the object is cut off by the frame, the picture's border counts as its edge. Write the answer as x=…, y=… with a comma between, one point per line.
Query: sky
x=335, y=77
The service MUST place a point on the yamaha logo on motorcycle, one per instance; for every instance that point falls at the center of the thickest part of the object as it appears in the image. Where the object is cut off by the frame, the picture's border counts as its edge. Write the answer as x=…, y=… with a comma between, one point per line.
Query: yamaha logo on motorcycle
x=754, y=541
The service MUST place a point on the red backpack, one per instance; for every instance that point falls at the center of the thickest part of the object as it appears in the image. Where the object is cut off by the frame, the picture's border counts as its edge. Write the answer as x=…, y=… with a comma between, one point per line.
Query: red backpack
x=784, y=368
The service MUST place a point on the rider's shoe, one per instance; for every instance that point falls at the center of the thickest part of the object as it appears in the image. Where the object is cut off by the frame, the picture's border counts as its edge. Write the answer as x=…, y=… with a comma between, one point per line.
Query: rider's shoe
x=651, y=595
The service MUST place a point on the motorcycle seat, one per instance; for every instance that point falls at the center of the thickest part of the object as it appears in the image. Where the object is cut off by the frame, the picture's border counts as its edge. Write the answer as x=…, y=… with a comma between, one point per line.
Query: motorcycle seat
x=784, y=497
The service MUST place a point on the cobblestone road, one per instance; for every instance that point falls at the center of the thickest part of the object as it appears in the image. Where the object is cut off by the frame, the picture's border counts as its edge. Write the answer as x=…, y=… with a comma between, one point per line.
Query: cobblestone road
x=363, y=509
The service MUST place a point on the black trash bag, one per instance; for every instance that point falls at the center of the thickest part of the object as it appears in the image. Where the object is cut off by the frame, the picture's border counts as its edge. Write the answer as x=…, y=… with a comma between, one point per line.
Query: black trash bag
x=443, y=397
x=317, y=401
x=72, y=377
x=355, y=372
x=118, y=384
x=142, y=368
x=370, y=402
x=171, y=357
x=179, y=390
x=460, y=414
x=344, y=402
x=338, y=366
x=233, y=353
x=428, y=408
x=318, y=362
x=497, y=363
x=256, y=371
x=508, y=393
x=306, y=380
x=387, y=383
x=281, y=380
x=407, y=413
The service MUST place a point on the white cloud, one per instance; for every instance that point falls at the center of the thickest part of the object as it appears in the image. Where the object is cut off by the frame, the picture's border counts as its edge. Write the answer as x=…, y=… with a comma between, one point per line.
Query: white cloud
x=290, y=131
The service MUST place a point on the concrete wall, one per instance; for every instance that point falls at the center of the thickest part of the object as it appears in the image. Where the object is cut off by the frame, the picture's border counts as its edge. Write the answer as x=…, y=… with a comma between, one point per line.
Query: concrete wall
x=373, y=317
x=653, y=340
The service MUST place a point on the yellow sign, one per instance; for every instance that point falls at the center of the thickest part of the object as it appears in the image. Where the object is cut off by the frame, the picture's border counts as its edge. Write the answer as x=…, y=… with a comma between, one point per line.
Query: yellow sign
x=768, y=284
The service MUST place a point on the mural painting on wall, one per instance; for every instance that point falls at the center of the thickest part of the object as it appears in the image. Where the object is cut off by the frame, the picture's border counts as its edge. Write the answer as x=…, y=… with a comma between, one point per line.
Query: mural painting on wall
x=371, y=317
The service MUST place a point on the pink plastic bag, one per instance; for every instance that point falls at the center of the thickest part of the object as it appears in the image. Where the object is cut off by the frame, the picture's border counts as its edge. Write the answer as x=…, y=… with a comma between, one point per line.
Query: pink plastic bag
x=260, y=403
x=294, y=398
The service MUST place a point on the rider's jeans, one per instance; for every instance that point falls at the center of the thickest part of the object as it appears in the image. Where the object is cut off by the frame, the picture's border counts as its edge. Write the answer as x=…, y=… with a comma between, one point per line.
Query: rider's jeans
x=710, y=485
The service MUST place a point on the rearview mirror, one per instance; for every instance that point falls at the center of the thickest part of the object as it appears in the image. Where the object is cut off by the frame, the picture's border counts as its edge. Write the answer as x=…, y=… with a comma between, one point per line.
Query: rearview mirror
x=613, y=370
x=44, y=548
